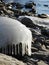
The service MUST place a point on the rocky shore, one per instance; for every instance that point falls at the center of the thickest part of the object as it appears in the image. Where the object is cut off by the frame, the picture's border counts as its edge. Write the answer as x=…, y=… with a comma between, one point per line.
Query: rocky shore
x=40, y=34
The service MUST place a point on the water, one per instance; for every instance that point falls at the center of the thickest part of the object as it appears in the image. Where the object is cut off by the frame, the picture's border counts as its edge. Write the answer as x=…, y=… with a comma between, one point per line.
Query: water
x=40, y=8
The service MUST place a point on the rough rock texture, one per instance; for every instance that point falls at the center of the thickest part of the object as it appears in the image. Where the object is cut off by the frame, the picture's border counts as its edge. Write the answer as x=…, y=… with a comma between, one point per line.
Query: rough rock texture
x=8, y=60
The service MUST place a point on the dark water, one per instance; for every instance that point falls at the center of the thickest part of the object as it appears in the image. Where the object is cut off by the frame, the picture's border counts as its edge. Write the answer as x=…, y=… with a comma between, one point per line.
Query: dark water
x=40, y=8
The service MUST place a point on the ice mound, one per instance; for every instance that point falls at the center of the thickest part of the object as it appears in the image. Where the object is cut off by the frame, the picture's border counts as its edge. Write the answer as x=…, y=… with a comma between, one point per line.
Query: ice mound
x=13, y=32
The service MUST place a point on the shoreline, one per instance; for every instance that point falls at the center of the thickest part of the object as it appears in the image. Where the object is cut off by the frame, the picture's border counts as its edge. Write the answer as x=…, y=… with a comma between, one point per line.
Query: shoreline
x=40, y=34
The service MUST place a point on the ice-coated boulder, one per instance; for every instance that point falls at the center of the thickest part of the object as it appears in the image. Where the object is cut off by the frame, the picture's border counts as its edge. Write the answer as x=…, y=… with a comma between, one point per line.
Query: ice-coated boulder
x=34, y=21
x=12, y=32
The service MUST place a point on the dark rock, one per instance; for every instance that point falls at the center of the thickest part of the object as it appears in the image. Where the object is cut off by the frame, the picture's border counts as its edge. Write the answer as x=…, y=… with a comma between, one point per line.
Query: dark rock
x=27, y=22
x=46, y=44
x=19, y=6
x=29, y=5
x=41, y=54
x=42, y=15
x=27, y=13
x=46, y=5
x=0, y=12
x=1, y=5
x=14, y=5
x=45, y=31
x=11, y=6
x=8, y=6
x=35, y=31
x=1, y=0
x=17, y=13
x=33, y=11
x=37, y=45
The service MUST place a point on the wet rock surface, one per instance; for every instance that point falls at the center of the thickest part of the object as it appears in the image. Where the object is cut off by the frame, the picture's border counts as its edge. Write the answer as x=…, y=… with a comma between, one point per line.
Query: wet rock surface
x=42, y=15
x=40, y=44
x=16, y=9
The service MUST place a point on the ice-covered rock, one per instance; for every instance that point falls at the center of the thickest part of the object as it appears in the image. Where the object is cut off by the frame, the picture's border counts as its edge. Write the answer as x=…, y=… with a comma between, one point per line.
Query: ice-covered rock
x=35, y=20
x=13, y=32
